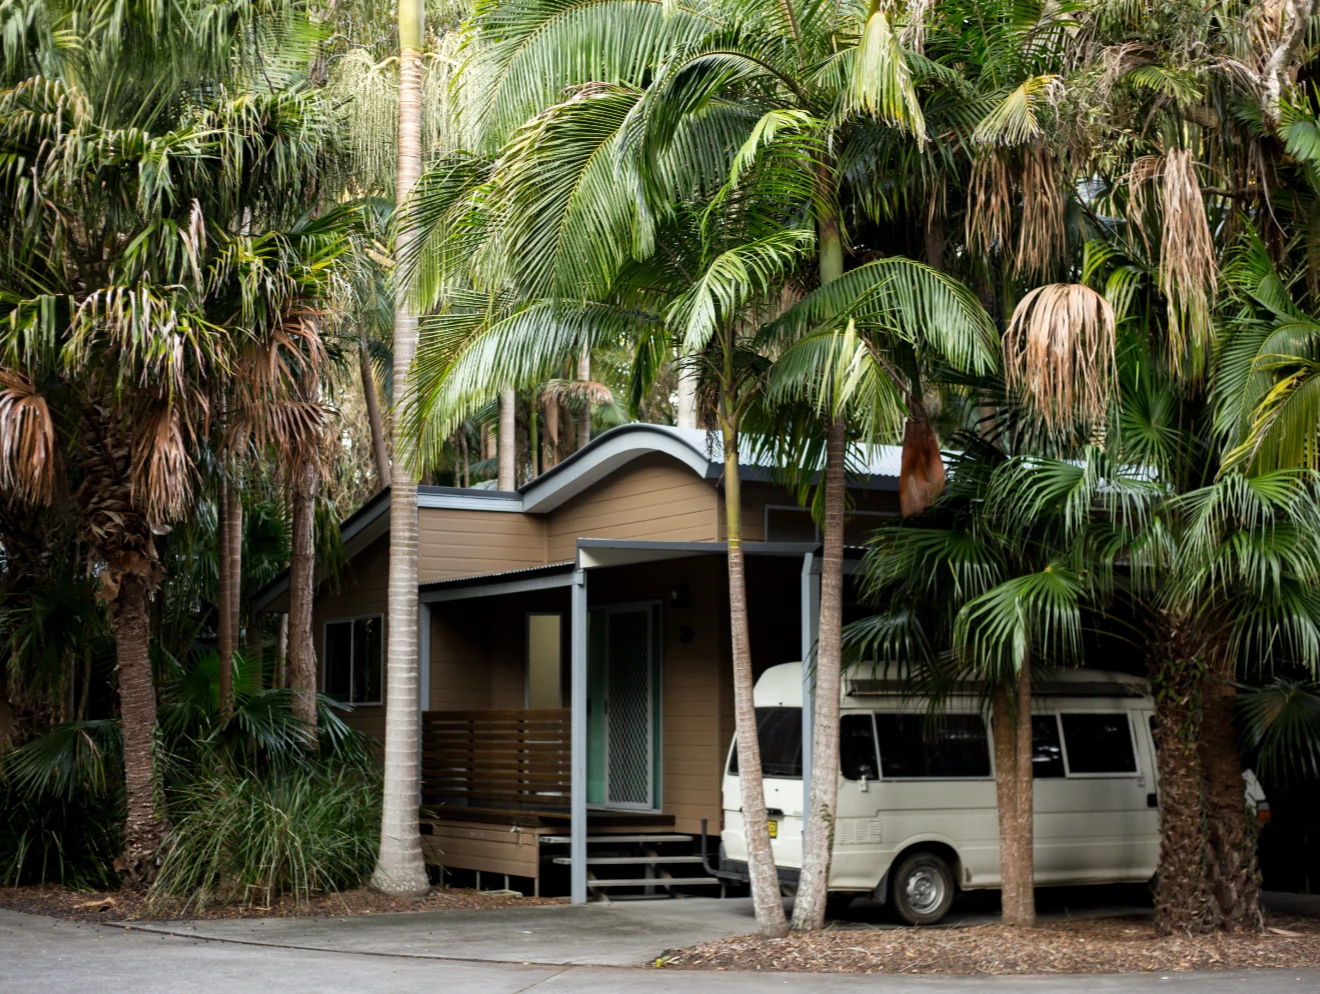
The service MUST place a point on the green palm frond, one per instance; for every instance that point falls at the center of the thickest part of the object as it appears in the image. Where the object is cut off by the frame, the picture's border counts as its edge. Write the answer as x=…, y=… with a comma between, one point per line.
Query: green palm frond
x=1280, y=725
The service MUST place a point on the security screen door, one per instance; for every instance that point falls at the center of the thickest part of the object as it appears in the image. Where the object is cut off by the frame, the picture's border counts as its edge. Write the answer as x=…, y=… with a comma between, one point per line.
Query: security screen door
x=630, y=706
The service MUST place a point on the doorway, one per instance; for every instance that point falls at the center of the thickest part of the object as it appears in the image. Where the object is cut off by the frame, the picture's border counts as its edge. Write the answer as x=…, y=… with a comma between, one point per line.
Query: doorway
x=623, y=706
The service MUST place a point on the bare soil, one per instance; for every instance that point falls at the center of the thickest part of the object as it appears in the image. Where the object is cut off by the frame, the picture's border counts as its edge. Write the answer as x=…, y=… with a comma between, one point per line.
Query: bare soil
x=1111, y=945
x=119, y=906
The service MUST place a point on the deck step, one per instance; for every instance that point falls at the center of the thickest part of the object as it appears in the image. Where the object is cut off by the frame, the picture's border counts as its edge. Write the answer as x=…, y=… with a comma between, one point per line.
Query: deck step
x=628, y=860
x=655, y=882
x=592, y=839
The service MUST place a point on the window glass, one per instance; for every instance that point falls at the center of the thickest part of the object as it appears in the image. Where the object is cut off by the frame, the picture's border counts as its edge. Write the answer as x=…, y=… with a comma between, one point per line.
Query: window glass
x=779, y=731
x=1046, y=750
x=911, y=745
x=339, y=660
x=857, y=747
x=1099, y=743
x=366, y=660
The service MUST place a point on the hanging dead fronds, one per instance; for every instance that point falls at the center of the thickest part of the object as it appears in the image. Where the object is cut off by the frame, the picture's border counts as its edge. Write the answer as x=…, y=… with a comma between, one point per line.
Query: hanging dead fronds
x=990, y=219
x=163, y=473
x=1059, y=356
x=1042, y=240
x=1187, y=268
x=577, y=393
x=27, y=439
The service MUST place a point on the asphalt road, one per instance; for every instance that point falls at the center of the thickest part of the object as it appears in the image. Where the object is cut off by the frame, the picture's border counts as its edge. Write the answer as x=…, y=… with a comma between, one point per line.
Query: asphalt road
x=42, y=956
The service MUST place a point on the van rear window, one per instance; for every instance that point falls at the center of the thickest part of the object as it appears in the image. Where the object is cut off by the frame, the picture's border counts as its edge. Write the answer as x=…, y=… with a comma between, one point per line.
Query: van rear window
x=1098, y=743
x=913, y=746
x=780, y=733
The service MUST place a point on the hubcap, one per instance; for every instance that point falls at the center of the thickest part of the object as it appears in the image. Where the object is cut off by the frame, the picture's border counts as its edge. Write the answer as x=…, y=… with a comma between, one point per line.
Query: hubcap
x=924, y=890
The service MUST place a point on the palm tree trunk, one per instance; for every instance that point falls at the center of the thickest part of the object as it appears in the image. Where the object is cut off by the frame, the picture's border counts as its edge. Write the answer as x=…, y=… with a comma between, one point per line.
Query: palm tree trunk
x=687, y=397
x=813, y=887
x=282, y=652
x=551, y=456
x=1025, y=847
x=224, y=598
x=144, y=828
x=584, y=415
x=818, y=844
x=761, y=869
x=1234, y=873
x=507, y=441
x=373, y=413
x=1014, y=794
x=1183, y=899
x=400, y=870
x=302, y=582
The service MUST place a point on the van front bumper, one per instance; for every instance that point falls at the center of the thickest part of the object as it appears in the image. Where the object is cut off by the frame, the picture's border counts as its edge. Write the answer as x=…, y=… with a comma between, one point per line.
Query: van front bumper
x=735, y=870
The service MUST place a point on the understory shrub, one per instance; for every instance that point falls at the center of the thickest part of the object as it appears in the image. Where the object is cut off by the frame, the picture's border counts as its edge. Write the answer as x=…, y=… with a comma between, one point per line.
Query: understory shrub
x=68, y=838
x=252, y=839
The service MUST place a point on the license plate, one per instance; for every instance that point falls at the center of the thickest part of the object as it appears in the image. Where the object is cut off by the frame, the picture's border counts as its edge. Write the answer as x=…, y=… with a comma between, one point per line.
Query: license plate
x=774, y=829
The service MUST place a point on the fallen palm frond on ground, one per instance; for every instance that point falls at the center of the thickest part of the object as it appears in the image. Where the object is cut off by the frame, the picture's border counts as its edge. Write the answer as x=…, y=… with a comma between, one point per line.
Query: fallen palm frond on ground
x=1112, y=945
x=119, y=906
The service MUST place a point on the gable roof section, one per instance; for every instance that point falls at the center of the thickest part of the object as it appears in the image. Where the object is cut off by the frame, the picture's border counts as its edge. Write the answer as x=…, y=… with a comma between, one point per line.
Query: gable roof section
x=700, y=450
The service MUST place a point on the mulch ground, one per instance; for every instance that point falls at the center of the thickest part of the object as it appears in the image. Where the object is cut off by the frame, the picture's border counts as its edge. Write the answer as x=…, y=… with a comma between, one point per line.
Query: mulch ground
x=118, y=906
x=1112, y=945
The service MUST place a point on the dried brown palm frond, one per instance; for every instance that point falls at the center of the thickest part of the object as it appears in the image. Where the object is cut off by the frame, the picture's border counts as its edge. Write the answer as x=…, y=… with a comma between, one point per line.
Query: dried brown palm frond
x=990, y=220
x=577, y=392
x=163, y=473
x=27, y=439
x=1042, y=240
x=1059, y=356
x=1187, y=267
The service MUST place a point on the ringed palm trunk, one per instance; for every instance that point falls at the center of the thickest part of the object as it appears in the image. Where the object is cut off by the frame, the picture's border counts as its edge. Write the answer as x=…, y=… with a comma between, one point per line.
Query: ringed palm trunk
x=373, y=414
x=813, y=887
x=584, y=415
x=1183, y=898
x=1234, y=873
x=302, y=579
x=144, y=828
x=1014, y=795
x=235, y=569
x=400, y=869
x=507, y=442
x=761, y=869
x=224, y=598
x=818, y=844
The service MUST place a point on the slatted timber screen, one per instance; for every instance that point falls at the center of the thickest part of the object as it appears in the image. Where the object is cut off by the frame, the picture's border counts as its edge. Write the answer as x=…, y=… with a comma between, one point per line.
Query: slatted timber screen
x=516, y=759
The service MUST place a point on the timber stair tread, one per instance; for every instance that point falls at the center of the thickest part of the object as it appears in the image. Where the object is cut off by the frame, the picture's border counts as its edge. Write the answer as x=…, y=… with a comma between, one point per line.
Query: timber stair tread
x=655, y=882
x=628, y=860
x=592, y=839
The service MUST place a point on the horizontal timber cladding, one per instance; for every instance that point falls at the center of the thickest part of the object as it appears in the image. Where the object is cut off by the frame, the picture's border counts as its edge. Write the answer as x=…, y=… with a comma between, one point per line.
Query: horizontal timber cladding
x=497, y=759
x=653, y=497
x=362, y=589
x=454, y=543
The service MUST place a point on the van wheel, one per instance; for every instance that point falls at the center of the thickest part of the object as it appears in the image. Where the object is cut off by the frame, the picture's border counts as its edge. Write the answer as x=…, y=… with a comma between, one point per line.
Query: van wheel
x=922, y=889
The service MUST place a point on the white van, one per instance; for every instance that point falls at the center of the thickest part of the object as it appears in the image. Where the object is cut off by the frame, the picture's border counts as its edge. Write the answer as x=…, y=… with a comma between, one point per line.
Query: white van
x=916, y=816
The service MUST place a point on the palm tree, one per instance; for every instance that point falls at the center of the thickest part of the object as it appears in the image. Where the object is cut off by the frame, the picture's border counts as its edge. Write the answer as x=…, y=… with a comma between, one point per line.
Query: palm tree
x=400, y=870
x=111, y=340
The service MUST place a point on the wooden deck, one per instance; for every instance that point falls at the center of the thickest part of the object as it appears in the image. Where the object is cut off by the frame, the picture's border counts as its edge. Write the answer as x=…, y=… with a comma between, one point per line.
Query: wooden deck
x=494, y=783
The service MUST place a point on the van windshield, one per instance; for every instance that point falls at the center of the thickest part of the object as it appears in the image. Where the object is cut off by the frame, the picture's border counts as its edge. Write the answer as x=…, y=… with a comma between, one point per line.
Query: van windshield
x=780, y=733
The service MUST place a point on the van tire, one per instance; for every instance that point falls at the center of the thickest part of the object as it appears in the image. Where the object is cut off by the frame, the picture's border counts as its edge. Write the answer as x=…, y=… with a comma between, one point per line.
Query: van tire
x=922, y=889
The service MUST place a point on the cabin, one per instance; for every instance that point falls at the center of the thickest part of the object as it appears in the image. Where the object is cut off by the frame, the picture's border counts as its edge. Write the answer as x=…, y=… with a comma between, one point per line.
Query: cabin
x=574, y=652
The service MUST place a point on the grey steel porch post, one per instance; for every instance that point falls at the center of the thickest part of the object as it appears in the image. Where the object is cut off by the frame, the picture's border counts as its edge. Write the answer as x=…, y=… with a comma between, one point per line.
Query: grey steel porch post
x=578, y=810
x=809, y=626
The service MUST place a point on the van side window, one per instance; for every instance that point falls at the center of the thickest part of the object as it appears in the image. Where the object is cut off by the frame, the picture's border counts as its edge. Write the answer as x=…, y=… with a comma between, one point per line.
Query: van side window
x=1046, y=749
x=1099, y=743
x=857, y=747
x=779, y=731
x=911, y=746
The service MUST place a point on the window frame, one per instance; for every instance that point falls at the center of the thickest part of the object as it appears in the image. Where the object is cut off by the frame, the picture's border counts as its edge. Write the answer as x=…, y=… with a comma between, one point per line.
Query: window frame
x=1068, y=773
x=875, y=747
x=352, y=652
x=880, y=752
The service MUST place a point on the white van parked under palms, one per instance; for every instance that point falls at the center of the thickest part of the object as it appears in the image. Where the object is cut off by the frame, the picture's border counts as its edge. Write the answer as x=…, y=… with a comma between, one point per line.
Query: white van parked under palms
x=916, y=817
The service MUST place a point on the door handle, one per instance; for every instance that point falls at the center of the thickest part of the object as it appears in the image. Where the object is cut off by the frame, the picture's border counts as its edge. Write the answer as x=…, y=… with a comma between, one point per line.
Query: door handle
x=1152, y=800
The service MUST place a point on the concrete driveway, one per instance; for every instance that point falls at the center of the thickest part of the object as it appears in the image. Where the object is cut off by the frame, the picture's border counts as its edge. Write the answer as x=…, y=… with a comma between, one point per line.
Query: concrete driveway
x=43, y=956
